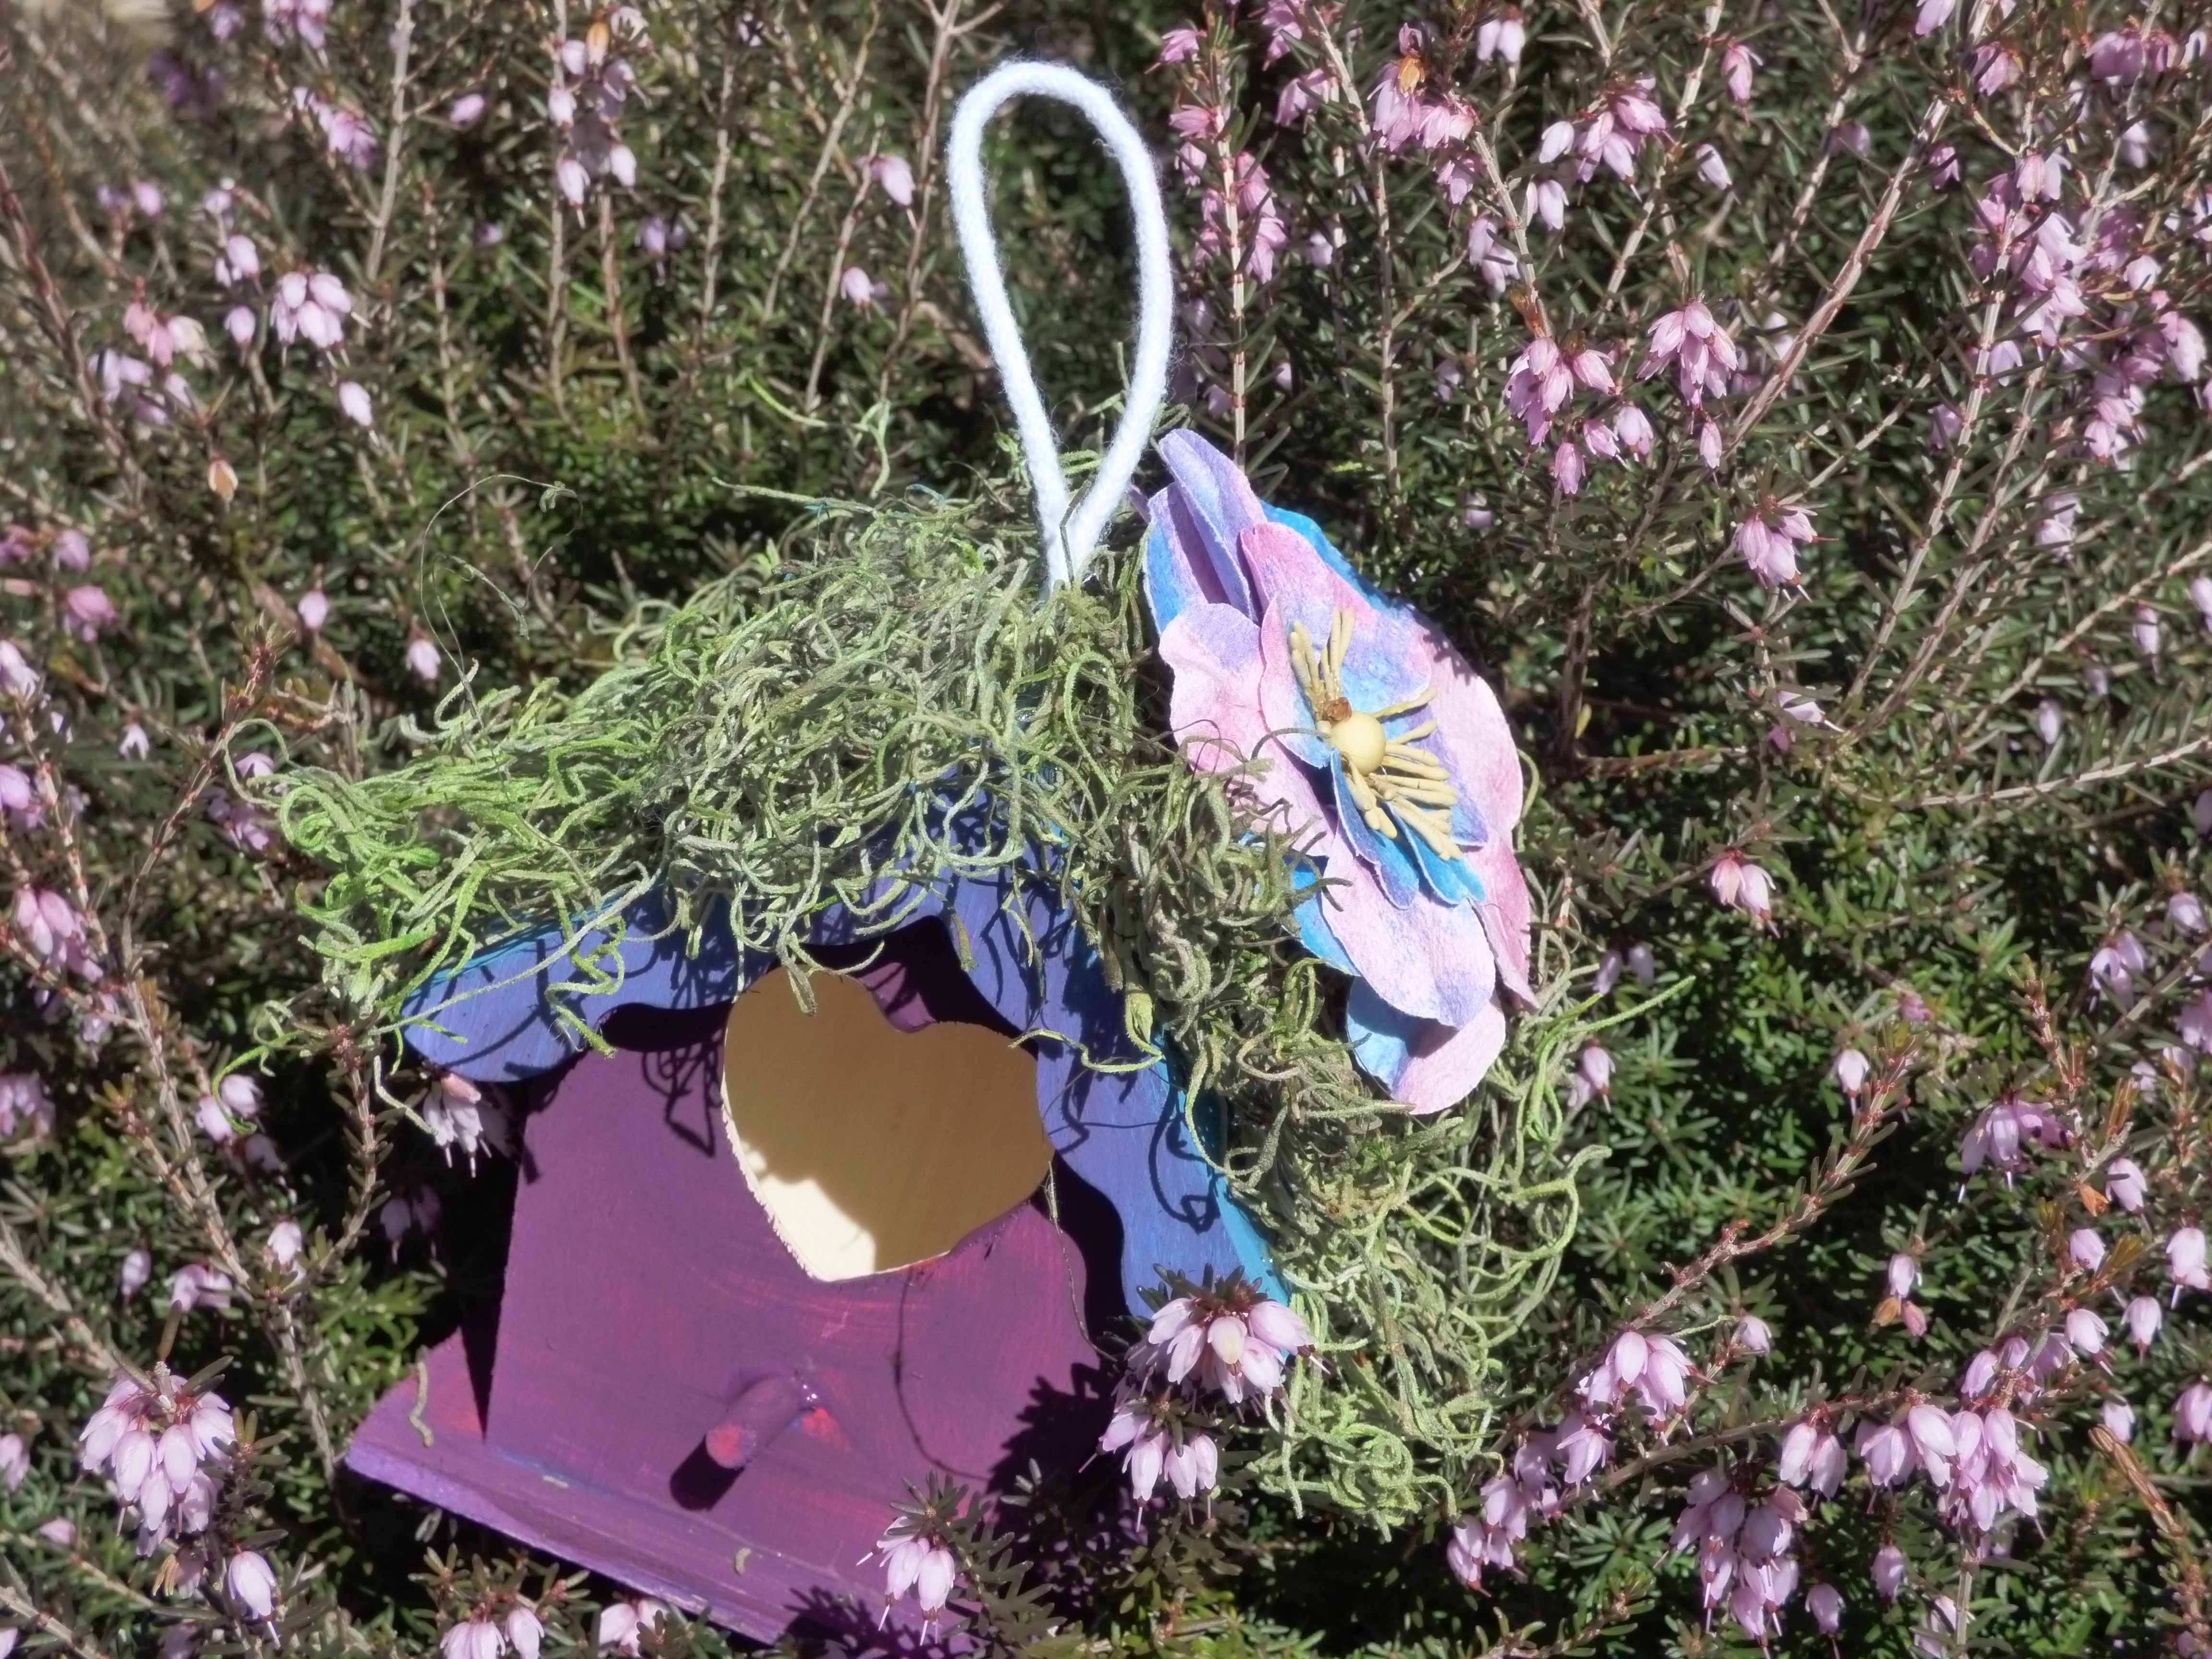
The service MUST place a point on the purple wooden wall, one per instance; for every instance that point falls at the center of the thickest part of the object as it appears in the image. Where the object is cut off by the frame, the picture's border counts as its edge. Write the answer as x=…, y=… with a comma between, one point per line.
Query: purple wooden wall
x=654, y=1330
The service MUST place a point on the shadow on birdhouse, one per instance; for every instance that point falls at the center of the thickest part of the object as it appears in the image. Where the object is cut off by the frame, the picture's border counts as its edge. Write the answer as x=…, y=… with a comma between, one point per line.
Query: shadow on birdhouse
x=771, y=1269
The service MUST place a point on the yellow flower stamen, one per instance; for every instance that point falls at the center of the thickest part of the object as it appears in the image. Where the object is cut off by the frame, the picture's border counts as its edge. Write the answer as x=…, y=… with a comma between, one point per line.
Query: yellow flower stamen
x=1390, y=781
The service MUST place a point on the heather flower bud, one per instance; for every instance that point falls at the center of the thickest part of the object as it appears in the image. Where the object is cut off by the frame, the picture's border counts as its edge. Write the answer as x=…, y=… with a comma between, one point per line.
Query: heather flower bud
x=1851, y=1069
x=1740, y=884
x=2185, y=1259
x=2143, y=1318
x=1888, y=1571
x=2192, y=1413
x=2086, y=1332
x=2085, y=1248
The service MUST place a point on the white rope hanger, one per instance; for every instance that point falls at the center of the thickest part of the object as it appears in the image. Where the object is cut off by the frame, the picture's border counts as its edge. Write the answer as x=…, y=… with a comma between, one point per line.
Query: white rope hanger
x=1071, y=534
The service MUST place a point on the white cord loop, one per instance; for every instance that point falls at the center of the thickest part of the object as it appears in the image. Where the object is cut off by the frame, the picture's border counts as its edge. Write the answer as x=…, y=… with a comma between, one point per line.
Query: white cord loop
x=1071, y=535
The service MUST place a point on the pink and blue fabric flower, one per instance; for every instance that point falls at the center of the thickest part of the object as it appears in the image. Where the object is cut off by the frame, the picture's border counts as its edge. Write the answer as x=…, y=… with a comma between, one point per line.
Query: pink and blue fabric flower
x=1354, y=728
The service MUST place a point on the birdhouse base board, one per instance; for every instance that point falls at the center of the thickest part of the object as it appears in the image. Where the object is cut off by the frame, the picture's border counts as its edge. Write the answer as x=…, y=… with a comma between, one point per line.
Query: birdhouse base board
x=447, y=1462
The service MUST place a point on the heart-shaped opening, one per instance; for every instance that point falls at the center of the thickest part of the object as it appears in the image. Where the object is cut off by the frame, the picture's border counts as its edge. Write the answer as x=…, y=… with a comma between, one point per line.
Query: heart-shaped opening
x=873, y=1148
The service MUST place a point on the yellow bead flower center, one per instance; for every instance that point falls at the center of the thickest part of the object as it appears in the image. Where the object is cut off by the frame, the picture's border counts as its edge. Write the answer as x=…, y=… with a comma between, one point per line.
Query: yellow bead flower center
x=1390, y=781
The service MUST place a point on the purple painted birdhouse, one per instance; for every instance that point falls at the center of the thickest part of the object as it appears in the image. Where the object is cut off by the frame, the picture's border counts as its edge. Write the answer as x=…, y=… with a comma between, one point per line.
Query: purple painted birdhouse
x=770, y=1269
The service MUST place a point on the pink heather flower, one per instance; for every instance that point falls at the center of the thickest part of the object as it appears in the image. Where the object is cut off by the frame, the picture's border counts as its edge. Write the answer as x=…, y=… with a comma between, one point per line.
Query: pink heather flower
x=2085, y=1248
x=1547, y=201
x=2185, y=1261
x=2002, y=1134
x=1593, y=1076
x=1826, y=1603
x=347, y=135
x=423, y=659
x=2117, y=56
x=238, y=261
x=1301, y=96
x=457, y=1114
x=525, y=1630
x=1502, y=34
x=467, y=110
x=2119, y=1420
x=137, y=1269
x=314, y=610
x=1736, y=65
x=1933, y=14
x=1887, y=1452
x=162, y=338
x=14, y=1463
x=2123, y=1184
x=24, y=1105
x=1888, y=1571
x=1178, y=46
x=1740, y=884
x=1633, y=430
x=2184, y=913
x=1712, y=168
x=18, y=794
x=1653, y=1367
x=2049, y=719
x=620, y=1623
x=285, y=1243
x=1558, y=139
x=198, y=1285
x=309, y=305
x=856, y=287
x=60, y=1532
x=1699, y=347
x=1582, y=1446
x=2192, y=1413
x=1753, y=1336
x=1709, y=445
x=1914, y=1317
x=1995, y=68
x=913, y=1560
x=1903, y=1274
x=2143, y=1318
x=1568, y=469
x=50, y=926
x=248, y=1581
x=1477, y=1542
x=1992, y=1473
x=353, y=403
x=1768, y=541
x=160, y=1444
x=2147, y=631
x=2085, y=1332
x=1811, y=1456
x=472, y=1638
x=1851, y=1069
x=240, y=325
x=1193, y=1467
x=87, y=611
x=895, y=176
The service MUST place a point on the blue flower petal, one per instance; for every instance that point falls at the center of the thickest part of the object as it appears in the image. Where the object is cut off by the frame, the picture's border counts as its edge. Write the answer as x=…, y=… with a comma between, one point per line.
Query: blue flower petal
x=1212, y=504
x=1313, y=918
x=1449, y=880
x=1381, y=1038
x=1171, y=585
x=1394, y=867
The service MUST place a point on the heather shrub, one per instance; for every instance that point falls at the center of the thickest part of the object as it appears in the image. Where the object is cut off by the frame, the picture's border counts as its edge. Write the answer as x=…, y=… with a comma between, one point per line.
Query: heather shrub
x=1797, y=413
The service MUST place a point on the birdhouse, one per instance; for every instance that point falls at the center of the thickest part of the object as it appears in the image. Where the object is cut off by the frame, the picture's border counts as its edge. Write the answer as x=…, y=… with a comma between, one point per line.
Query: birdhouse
x=773, y=1265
